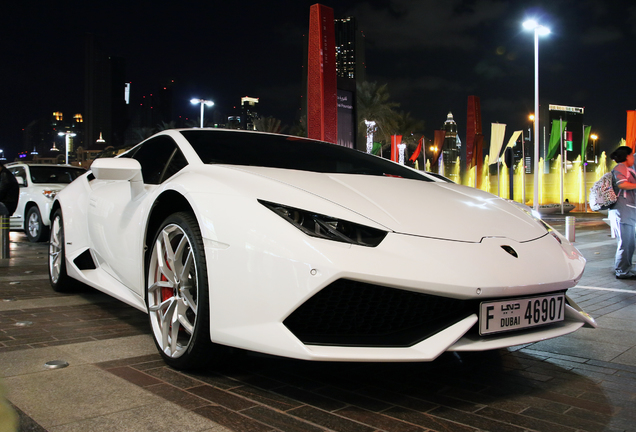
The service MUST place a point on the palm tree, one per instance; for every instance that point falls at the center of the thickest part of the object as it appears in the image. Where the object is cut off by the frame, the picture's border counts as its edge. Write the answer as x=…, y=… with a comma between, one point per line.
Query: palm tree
x=269, y=124
x=300, y=127
x=195, y=123
x=373, y=105
x=164, y=126
x=410, y=129
x=143, y=132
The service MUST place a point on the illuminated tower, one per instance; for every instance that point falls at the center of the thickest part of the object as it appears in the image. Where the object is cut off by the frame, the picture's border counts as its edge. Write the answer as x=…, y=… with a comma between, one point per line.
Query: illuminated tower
x=452, y=146
x=248, y=112
x=322, y=102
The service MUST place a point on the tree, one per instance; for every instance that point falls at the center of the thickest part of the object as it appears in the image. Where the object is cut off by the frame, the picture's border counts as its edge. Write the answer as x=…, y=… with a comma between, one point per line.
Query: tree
x=410, y=129
x=195, y=123
x=143, y=132
x=269, y=124
x=373, y=105
x=300, y=127
x=164, y=126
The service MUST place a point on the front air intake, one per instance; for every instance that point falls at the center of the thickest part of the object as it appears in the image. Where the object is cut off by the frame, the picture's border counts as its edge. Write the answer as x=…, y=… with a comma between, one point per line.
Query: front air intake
x=350, y=313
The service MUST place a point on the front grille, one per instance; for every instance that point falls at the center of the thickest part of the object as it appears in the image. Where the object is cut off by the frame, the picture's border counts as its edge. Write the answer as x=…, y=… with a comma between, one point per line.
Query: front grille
x=350, y=313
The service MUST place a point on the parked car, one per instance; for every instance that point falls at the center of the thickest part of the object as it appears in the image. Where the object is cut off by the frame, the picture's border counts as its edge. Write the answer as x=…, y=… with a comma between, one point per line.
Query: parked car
x=310, y=250
x=39, y=183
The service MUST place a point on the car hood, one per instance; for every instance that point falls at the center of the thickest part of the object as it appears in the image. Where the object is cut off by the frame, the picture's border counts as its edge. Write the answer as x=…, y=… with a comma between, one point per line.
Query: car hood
x=429, y=209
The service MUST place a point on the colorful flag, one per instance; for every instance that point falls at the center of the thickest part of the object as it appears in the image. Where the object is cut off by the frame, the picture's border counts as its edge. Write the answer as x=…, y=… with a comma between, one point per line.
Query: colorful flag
x=395, y=140
x=514, y=138
x=558, y=126
x=497, y=132
x=630, y=139
x=586, y=137
x=417, y=151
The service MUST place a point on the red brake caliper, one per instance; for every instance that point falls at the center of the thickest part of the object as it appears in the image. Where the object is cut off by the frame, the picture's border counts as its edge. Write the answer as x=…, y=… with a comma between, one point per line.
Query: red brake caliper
x=166, y=292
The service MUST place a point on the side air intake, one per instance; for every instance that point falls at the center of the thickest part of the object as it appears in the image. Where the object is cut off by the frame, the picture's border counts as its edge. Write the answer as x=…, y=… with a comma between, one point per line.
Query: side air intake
x=84, y=261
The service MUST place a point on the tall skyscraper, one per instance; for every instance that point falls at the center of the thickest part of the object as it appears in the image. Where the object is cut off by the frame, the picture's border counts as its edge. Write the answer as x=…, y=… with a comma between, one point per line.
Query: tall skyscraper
x=451, y=147
x=350, y=62
x=350, y=69
x=248, y=112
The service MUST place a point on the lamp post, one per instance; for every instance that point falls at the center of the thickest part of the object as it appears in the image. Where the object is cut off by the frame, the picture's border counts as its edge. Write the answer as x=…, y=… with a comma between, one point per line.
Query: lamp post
x=67, y=140
x=539, y=30
x=594, y=138
x=202, y=102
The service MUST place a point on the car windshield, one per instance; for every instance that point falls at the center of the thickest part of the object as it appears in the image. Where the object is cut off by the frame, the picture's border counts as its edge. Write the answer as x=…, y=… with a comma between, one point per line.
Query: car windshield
x=280, y=151
x=54, y=174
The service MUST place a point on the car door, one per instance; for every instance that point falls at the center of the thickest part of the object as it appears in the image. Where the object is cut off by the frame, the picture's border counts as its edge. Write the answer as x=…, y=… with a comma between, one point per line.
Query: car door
x=17, y=219
x=117, y=216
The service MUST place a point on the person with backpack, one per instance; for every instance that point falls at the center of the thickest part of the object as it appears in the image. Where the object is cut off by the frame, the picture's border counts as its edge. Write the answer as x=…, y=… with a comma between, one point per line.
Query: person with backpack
x=623, y=212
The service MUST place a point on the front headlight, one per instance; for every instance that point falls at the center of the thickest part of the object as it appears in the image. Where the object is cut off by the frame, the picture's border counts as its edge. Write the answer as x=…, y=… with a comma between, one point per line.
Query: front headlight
x=327, y=227
x=50, y=194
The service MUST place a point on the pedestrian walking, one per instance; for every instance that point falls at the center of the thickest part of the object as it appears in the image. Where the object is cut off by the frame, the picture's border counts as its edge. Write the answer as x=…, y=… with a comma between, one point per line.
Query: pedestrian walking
x=623, y=212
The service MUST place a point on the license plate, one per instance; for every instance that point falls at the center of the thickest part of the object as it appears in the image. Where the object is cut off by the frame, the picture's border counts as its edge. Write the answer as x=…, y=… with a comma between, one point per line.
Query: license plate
x=515, y=314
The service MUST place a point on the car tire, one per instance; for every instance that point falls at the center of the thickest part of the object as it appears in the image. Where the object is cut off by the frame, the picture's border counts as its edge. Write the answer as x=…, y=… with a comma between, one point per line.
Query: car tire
x=33, y=226
x=177, y=293
x=60, y=281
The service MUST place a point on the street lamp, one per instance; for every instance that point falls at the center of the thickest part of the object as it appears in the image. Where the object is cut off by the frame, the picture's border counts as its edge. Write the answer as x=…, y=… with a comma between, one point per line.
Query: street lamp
x=202, y=102
x=67, y=141
x=539, y=30
x=594, y=138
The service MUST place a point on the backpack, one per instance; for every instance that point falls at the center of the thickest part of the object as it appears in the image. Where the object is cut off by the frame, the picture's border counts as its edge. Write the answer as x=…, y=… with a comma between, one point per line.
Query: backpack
x=602, y=195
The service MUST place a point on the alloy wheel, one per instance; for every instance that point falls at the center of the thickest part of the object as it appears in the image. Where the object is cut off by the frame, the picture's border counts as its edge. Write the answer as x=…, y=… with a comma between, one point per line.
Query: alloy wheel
x=173, y=291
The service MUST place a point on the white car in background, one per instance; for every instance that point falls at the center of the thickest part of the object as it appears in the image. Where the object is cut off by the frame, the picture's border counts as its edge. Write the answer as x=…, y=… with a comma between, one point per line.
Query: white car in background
x=39, y=183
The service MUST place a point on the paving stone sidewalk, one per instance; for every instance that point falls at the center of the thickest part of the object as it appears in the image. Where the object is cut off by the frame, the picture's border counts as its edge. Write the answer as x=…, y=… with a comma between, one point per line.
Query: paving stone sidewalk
x=116, y=381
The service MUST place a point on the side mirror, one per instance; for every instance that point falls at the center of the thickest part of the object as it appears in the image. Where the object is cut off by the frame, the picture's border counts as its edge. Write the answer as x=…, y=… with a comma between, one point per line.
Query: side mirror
x=116, y=169
x=120, y=169
x=20, y=181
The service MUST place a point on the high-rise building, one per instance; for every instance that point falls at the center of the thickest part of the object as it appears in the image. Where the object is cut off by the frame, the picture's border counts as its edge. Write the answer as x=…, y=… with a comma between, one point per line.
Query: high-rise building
x=248, y=112
x=451, y=148
x=350, y=69
x=350, y=62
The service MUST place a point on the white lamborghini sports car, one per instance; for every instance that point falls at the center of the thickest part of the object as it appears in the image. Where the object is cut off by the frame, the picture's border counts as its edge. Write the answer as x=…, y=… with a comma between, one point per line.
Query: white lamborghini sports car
x=299, y=248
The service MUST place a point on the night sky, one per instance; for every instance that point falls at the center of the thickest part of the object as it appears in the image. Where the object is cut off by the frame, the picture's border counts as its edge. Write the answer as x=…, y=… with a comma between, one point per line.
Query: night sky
x=433, y=54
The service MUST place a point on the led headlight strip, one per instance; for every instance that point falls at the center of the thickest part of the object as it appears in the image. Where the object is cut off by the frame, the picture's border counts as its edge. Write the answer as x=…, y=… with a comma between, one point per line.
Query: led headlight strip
x=327, y=227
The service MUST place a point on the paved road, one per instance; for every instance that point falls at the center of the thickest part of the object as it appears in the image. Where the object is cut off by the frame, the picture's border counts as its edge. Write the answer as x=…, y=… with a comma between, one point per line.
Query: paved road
x=116, y=381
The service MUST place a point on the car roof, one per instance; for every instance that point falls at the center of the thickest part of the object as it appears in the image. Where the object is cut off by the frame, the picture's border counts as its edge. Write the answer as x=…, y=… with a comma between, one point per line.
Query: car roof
x=43, y=165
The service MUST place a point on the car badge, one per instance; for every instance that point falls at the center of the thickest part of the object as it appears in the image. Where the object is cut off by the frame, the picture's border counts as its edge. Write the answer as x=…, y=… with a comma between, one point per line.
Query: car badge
x=510, y=250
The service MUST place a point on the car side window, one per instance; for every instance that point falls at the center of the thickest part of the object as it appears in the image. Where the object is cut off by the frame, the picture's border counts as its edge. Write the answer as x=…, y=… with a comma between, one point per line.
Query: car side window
x=177, y=163
x=157, y=158
x=19, y=172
